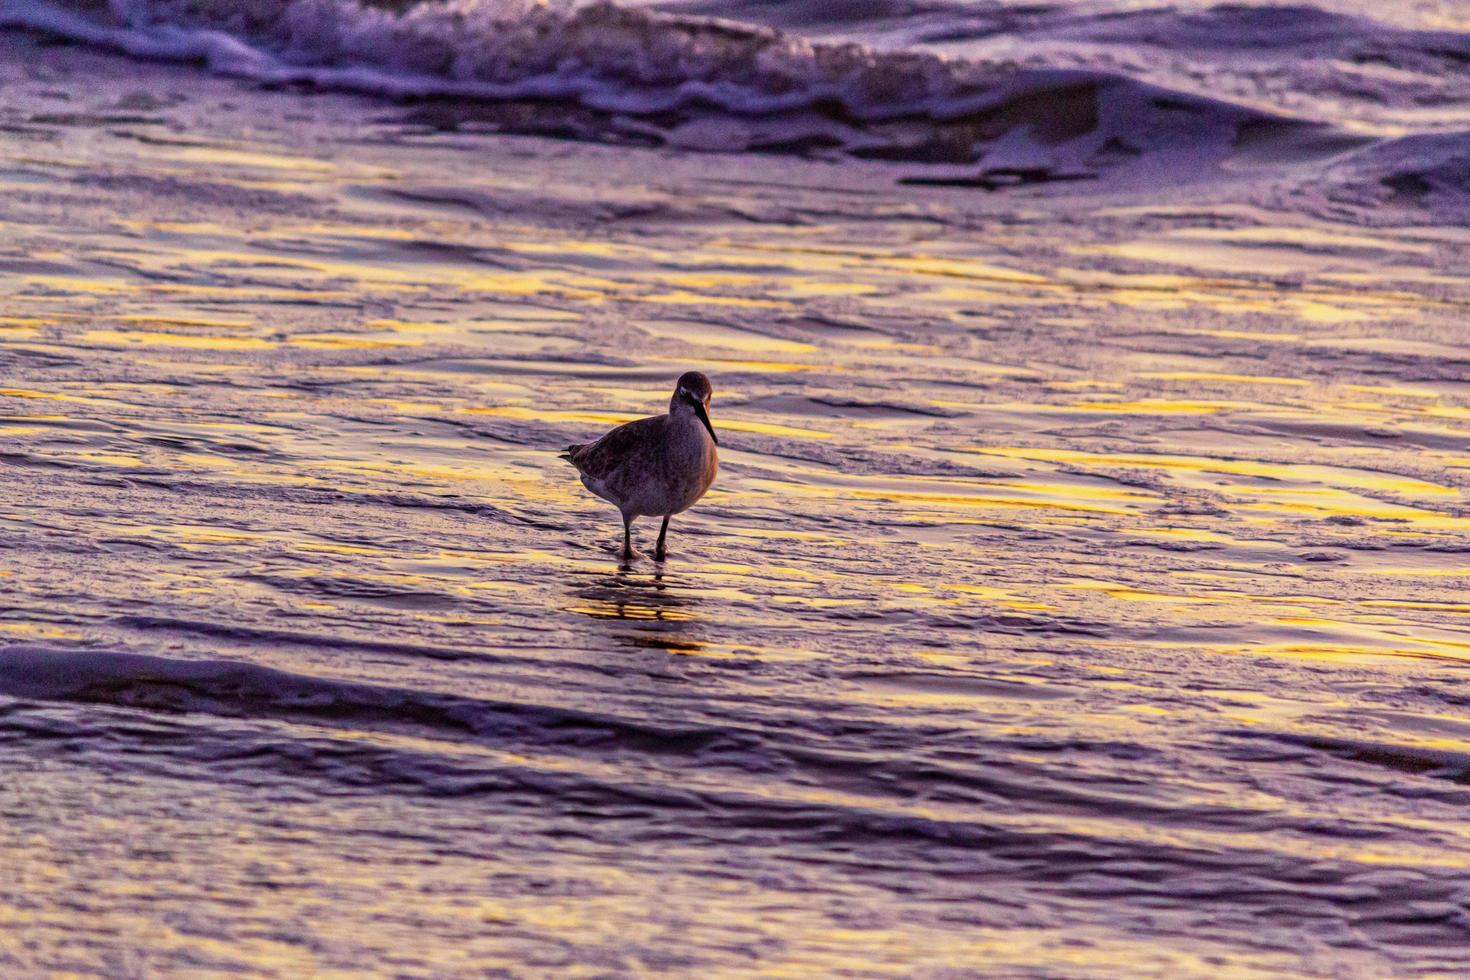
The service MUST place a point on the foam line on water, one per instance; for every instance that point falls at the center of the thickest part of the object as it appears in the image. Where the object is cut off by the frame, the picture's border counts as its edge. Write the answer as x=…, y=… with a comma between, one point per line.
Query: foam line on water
x=683, y=81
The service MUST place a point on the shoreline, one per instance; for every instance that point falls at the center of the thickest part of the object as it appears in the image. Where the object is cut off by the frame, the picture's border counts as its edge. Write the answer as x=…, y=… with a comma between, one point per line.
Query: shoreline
x=1082, y=588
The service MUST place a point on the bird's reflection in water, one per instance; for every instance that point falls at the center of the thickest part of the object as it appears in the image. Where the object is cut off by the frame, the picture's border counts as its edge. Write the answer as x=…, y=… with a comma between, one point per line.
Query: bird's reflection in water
x=666, y=619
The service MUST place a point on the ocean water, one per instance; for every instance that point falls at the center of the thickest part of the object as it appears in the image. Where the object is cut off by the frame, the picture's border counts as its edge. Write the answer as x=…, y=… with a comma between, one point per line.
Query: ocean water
x=1082, y=595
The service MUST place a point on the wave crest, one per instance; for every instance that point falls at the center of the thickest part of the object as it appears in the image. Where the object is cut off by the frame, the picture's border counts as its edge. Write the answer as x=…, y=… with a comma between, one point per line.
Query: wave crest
x=695, y=83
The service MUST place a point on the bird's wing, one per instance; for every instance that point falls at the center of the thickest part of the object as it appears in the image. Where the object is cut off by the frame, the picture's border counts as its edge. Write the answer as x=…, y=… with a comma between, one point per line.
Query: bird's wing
x=602, y=458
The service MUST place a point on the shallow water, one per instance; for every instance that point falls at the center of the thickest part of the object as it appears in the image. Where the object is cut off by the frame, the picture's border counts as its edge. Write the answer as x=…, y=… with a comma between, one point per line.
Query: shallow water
x=1083, y=591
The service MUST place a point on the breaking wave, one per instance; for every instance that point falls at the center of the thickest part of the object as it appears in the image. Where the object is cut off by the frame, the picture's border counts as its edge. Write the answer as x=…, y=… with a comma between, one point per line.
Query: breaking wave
x=604, y=72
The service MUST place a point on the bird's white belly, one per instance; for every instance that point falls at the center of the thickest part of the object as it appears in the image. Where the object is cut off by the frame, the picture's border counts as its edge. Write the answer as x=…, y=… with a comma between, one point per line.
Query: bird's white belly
x=597, y=487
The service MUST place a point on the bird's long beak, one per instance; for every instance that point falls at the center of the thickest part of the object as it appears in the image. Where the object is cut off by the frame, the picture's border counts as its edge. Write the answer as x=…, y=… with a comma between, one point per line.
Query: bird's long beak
x=704, y=417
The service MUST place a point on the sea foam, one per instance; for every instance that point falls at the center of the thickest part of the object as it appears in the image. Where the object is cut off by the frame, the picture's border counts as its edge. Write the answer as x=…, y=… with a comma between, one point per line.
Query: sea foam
x=689, y=82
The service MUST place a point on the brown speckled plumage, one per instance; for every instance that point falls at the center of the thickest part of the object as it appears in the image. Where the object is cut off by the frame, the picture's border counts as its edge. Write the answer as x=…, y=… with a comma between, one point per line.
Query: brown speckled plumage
x=654, y=467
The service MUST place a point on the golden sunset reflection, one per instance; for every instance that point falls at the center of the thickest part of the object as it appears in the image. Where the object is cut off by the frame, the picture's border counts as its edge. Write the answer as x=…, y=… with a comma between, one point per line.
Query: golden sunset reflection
x=1082, y=592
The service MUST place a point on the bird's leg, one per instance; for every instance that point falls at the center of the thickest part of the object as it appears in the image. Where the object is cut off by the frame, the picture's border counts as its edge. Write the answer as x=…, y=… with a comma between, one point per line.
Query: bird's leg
x=627, y=538
x=658, y=552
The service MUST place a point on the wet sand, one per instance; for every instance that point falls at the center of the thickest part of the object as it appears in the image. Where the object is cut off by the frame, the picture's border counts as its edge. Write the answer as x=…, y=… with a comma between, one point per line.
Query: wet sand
x=1084, y=590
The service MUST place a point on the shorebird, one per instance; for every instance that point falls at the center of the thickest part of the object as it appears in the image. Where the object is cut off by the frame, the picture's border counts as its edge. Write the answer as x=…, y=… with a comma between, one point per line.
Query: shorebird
x=654, y=467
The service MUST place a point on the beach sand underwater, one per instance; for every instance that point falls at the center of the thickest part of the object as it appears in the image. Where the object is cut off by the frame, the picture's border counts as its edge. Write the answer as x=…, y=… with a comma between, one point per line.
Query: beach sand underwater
x=1083, y=593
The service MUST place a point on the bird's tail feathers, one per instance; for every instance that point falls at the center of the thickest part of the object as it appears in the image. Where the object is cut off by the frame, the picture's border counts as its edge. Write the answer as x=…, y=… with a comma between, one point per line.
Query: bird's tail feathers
x=570, y=452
